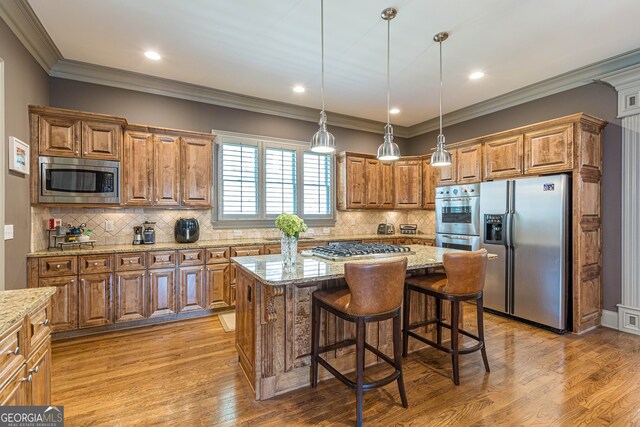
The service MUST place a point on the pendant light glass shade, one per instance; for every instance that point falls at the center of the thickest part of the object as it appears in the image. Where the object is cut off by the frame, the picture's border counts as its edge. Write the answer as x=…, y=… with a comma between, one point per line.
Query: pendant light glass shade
x=389, y=150
x=322, y=141
x=441, y=157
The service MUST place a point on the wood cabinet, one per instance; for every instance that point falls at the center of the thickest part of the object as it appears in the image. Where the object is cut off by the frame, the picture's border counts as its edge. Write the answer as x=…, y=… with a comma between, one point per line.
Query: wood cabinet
x=191, y=290
x=469, y=164
x=408, y=184
x=58, y=266
x=38, y=327
x=130, y=300
x=245, y=325
x=197, y=172
x=94, y=300
x=230, y=296
x=64, y=303
x=15, y=391
x=39, y=375
x=166, y=170
x=101, y=140
x=355, y=179
x=217, y=285
x=503, y=157
x=162, y=292
x=92, y=264
x=137, y=169
x=59, y=136
x=447, y=175
x=161, y=259
x=191, y=257
x=548, y=150
x=365, y=182
x=378, y=177
x=428, y=184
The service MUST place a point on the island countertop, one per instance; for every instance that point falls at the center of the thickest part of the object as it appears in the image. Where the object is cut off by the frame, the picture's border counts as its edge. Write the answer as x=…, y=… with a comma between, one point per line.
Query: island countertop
x=16, y=304
x=269, y=269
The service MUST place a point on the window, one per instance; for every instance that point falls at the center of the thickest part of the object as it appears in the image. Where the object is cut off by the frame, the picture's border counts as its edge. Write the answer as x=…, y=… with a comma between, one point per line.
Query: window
x=259, y=179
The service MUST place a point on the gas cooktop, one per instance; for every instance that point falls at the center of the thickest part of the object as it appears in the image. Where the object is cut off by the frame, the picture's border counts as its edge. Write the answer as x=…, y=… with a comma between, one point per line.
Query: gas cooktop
x=342, y=251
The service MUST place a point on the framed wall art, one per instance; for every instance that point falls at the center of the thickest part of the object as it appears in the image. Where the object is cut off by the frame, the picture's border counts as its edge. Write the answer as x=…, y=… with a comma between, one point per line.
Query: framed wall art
x=18, y=156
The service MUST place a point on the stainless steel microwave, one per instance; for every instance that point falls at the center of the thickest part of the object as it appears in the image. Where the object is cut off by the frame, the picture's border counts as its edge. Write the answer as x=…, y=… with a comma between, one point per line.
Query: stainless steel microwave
x=81, y=181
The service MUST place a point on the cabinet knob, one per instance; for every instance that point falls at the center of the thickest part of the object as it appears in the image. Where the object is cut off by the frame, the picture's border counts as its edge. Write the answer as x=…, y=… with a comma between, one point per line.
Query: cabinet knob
x=191, y=257
x=72, y=281
x=14, y=352
x=130, y=261
x=27, y=379
x=77, y=152
x=45, y=323
x=85, y=153
x=95, y=264
x=35, y=370
x=58, y=266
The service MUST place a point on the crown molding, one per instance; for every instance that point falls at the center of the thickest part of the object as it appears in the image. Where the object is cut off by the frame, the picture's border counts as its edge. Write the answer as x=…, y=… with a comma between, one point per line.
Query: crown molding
x=570, y=80
x=123, y=79
x=24, y=23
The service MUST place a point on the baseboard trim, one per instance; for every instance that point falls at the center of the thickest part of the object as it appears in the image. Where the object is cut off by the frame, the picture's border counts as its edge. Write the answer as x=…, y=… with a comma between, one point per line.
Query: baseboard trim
x=609, y=319
x=629, y=319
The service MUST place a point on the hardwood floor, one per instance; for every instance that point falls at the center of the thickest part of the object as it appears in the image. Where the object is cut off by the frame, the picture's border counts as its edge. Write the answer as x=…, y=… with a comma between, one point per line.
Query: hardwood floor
x=187, y=374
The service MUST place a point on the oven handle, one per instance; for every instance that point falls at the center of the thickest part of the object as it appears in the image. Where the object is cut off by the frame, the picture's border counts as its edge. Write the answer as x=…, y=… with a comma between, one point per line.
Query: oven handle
x=457, y=237
x=457, y=199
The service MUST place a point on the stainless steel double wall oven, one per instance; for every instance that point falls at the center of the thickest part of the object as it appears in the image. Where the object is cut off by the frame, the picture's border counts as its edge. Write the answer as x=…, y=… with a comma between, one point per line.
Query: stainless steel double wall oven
x=458, y=217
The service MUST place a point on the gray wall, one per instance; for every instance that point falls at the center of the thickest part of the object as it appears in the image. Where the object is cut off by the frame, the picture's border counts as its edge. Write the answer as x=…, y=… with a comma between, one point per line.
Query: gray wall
x=149, y=109
x=595, y=99
x=25, y=83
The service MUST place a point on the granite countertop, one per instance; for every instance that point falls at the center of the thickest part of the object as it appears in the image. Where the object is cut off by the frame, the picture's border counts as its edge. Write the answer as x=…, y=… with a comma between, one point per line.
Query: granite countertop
x=216, y=243
x=269, y=269
x=16, y=304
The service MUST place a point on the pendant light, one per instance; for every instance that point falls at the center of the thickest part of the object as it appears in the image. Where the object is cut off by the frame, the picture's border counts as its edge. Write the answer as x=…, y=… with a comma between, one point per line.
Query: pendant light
x=322, y=141
x=441, y=157
x=389, y=150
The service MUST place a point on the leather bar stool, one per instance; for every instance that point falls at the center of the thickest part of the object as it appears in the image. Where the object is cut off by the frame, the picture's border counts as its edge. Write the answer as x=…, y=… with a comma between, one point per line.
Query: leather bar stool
x=374, y=293
x=463, y=281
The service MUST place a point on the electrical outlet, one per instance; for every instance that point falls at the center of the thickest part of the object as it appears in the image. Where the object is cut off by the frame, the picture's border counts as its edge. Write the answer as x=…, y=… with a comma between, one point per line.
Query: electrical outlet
x=237, y=233
x=326, y=231
x=8, y=231
x=353, y=221
x=108, y=226
x=310, y=231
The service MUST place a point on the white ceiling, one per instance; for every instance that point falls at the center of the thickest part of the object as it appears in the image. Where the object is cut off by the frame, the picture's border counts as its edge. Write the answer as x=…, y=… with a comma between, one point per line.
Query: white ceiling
x=262, y=48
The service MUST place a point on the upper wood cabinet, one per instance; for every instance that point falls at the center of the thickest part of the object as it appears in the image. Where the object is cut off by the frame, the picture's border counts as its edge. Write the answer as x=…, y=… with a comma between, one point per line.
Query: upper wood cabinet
x=503, y=157
x=386, y=185
x=66, y=133
x=365, y=182
x=166, y=153
x=378, y=177
x=548, y=150
x=352, y=171
x=447, y=175
x=428, y=184
x=469, y=164
x=137, y=169
x=197, y=172
x=408, y=184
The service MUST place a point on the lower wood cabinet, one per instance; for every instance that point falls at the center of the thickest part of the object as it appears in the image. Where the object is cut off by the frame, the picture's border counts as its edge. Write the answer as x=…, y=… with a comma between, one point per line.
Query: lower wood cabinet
x=39, y=373
x=162, y=292
x=15, y=391
x=217, y=285
x=245, y=324
x=64, y=303
x=191, y=292
x=130, y=302
x=94, y=305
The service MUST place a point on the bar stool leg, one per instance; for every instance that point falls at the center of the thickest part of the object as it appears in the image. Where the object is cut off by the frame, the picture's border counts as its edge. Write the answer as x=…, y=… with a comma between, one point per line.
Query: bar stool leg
x=360, y=340
x=398, y=359
x=315, y=341
x=483, y=350
x=405, y=320
x=439, y=320
x=455, y=320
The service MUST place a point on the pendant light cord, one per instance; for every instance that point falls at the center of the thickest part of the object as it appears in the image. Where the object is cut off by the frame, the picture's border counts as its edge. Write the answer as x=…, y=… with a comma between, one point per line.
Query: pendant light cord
x=440, y=43
x=322, y=50
x=388, y=68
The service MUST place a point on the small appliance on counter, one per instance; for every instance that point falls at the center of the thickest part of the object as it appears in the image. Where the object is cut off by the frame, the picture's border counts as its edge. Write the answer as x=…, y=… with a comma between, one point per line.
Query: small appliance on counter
x=408, y=228
x=138, y=239
x=386, y=228
x=149, y=233
x=187, y=230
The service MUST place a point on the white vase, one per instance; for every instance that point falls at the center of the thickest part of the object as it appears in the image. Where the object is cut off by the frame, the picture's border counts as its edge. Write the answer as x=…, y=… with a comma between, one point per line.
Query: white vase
x=289, y=249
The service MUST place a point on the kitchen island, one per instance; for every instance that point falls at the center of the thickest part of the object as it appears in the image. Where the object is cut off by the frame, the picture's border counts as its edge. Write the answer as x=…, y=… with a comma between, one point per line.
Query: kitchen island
x=273, y=318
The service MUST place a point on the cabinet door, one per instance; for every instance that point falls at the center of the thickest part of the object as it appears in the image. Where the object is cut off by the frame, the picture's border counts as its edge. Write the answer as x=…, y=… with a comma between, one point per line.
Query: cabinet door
x=217, y=285
x=355, y=183
x=230, y=296
x=39, y=367
x=162, y=292
x=130, y=296
x=166, y=154
x=191, y=292
x=447, y=175
x=92, y=264
x=386, y=185
x=408, y=184
x=94, y=305
x=469, y=164
x=548, y=150
x=197, y=172
x=101, y=141
x=64, y=303
x=137, y=169
x=245, y=324
x=503, y=157
x=59, y=136
x=428, y=185
x=15, y=391
x=372, y=178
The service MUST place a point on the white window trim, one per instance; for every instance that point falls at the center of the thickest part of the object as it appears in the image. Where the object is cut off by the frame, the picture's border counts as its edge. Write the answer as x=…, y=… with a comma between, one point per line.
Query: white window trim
x=262, y=220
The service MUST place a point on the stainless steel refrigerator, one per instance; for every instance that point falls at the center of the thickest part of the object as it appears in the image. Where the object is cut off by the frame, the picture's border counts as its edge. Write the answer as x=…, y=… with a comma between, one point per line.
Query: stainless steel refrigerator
x=526, y=223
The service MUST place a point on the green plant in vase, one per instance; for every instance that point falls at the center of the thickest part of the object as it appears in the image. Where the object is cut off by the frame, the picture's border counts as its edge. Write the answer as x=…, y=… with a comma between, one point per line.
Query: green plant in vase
x=290, y=226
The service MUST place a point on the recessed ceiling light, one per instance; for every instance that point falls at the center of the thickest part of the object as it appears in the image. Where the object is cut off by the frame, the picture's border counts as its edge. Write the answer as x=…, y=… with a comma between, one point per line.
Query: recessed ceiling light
x=155, y=56
x=476, y=75
x=299, y=89
x=394, y=110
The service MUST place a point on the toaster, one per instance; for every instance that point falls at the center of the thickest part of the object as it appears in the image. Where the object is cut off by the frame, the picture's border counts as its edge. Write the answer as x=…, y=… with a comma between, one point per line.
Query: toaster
x=386, y=229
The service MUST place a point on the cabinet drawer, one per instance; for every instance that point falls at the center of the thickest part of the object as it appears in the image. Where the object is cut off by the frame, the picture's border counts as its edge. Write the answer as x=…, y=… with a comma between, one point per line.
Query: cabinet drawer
x=161, y=259
x=89, y=264
x=217, y=255
x=191, y=257
x=38, y=326
x=246, y=251
x=58, y=266
x=12, y=351
x=130, y=261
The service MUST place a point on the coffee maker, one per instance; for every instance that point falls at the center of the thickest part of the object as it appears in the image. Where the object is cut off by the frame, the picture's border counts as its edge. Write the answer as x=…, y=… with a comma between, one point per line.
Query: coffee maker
x=149, y=233
x=138, y=239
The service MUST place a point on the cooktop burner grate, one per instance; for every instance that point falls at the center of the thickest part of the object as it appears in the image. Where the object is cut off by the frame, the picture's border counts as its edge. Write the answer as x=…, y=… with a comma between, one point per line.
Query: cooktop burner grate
x=341, y=251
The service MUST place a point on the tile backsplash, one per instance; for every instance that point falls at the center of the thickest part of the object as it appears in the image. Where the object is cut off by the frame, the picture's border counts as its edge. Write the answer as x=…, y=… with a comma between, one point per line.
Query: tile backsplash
x=347, y=223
